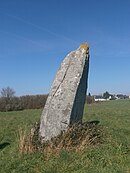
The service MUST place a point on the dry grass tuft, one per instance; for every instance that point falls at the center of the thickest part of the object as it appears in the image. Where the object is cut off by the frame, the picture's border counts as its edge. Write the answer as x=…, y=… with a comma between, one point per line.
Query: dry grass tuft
x=76, y=138
x=25, y=142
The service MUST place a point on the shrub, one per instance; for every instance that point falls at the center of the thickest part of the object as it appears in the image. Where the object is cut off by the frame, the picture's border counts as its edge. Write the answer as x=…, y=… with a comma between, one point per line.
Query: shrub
x=23, y=102
x=90, y=99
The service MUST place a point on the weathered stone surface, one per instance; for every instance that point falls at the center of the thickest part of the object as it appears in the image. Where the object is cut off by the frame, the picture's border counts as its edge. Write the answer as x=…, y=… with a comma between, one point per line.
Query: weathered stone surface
x=66, y=99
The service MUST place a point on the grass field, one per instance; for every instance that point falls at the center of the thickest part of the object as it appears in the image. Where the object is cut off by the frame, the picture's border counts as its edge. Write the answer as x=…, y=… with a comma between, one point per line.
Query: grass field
x=112, y=156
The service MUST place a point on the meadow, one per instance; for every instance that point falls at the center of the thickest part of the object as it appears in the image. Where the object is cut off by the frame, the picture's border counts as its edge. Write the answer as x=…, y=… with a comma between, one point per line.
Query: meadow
x=112, y=155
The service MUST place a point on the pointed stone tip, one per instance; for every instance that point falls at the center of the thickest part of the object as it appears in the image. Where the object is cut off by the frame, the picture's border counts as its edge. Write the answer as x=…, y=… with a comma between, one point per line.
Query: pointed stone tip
x=84, y=46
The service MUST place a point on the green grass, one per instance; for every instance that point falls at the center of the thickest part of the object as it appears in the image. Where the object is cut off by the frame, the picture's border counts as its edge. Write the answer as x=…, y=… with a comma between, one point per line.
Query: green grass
x=112, y=156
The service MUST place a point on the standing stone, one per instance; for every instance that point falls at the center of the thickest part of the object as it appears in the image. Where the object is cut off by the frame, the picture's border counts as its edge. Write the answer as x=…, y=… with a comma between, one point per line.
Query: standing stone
x=65, y=103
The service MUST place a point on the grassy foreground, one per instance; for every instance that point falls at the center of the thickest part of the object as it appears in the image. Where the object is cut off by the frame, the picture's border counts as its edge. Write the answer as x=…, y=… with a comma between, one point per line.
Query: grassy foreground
x=112, y=156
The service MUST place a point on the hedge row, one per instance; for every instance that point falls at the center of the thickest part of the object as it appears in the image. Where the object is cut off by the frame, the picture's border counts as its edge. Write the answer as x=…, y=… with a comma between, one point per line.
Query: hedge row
x=23, y=102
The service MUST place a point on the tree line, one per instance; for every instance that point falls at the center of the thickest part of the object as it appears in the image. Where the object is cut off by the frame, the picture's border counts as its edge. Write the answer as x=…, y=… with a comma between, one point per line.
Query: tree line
x=10, y=102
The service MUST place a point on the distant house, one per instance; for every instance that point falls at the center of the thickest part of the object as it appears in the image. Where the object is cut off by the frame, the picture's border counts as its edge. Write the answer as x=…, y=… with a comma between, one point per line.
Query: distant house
x=121, y=96
x=111, y=97
x=99, y=98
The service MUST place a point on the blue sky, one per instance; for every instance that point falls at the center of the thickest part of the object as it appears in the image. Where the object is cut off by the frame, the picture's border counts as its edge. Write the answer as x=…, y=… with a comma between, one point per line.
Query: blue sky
x=35, y=36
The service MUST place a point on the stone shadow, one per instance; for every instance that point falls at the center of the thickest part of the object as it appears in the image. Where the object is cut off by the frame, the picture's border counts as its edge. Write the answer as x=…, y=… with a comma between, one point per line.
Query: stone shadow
x=91, y=124
x=95, y=122
x=3, y=145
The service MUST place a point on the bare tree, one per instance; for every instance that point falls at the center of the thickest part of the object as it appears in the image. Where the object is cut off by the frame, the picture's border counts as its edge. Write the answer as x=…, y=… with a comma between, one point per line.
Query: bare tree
x=7, y=95
x=7, y=92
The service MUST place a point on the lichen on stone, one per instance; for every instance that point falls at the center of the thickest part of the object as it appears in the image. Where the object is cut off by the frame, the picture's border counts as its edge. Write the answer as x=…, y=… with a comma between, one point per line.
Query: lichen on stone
x=84, y=46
